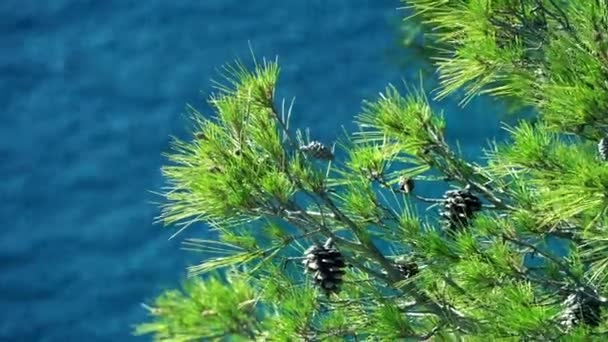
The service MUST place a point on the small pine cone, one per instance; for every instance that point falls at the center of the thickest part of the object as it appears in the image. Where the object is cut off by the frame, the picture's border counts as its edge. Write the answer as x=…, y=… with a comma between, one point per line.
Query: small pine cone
x=326, y=265
x=580, y=309
x=374, y=176
x=602, y=148
x=406, y=184
x=214, y=169
x=459, y=207
x=317, y=150
x=407, y=268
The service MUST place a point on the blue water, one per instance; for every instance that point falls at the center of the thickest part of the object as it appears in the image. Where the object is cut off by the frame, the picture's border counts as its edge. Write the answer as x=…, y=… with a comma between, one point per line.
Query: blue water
x=90, y=92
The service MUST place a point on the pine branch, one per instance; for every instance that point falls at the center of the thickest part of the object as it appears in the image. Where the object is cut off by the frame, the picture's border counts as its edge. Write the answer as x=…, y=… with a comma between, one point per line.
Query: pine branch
x=473, y=278
x=393, y=273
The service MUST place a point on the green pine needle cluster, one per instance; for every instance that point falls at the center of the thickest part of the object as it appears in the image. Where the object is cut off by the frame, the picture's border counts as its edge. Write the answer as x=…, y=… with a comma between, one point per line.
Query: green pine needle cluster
x=516, y=250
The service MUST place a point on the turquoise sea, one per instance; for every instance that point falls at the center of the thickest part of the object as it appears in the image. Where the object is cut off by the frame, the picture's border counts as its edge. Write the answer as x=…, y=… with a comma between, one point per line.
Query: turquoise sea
x=90, y=92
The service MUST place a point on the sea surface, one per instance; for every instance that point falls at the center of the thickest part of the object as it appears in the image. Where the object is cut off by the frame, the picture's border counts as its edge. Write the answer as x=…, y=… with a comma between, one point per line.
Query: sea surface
x=90, y=93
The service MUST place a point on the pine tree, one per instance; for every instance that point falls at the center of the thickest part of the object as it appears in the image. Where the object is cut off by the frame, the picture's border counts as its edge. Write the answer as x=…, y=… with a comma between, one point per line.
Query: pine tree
x=525, y=255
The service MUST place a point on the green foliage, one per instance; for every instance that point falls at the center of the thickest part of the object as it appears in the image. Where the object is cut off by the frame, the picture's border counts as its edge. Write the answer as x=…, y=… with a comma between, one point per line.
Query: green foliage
x=204, y=310
x=539, y=238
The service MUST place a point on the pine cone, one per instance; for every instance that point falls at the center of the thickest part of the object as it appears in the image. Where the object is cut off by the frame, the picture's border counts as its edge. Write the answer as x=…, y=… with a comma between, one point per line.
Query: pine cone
x=406, y=184
x=407, y=268
x=214, y=169
x=602, y=148
x=374, y=176
x=580, y=309
x=459, y=207
x=317, y=150
x=326, y=264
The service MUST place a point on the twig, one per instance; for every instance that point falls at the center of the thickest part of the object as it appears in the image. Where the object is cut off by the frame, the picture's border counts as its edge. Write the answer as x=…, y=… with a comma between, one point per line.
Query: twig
x=429, y=200
x=545, y=254
x=308, y=213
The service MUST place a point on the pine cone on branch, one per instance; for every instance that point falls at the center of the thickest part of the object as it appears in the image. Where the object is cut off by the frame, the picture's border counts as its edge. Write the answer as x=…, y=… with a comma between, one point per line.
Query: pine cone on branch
x=579, y=308
x=458, y=208
x=602, y=148
x=406, y=184
x=407, y=268
x=317, y=150
x=326, y=265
